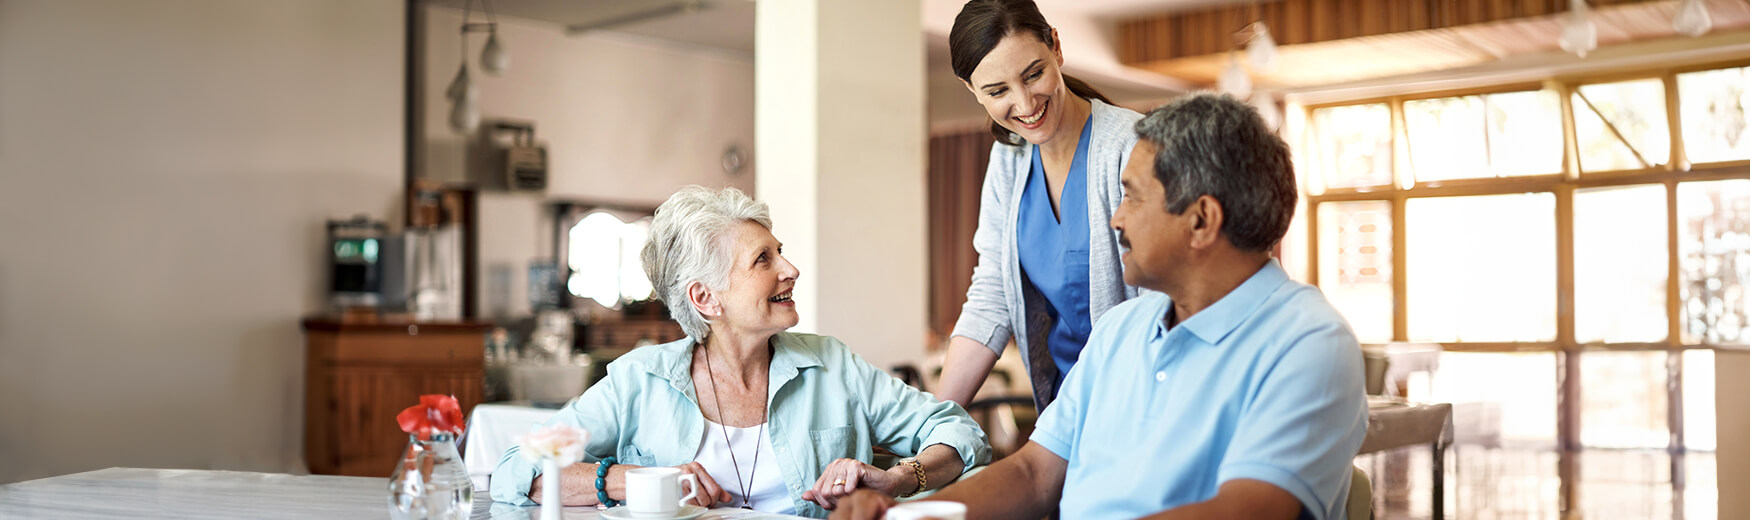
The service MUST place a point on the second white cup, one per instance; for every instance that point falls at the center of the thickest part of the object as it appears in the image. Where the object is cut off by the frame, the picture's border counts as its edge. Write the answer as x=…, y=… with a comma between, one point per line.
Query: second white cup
x=931, y=509
x=656, y=492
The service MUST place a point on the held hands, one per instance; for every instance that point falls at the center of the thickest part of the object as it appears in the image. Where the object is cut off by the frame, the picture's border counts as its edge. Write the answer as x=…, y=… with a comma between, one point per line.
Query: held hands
x=712, y=494
x=844, y=476
x=863, y=505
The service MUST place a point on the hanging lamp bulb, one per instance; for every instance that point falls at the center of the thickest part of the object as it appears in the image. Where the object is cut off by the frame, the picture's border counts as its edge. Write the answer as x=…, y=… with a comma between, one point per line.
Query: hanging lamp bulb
x=1579, y=34
x=1262, y=50
x=1234, y=80
x=464, y=113
x=1266, y=105
x=464, y=116
x=458, y=87
x=493, y=59
x=1692, y=18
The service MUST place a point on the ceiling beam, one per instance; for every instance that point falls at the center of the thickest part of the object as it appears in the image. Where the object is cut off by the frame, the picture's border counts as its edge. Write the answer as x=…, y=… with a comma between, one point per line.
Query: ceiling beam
x=1149, y=39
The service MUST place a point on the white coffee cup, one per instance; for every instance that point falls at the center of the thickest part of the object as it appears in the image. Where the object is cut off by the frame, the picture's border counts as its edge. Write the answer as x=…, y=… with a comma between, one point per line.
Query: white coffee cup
x=656, y=492
x=932, y=509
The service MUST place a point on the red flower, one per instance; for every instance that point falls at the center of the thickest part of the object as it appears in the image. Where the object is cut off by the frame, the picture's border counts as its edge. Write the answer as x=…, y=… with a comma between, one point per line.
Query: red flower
x=434, y=414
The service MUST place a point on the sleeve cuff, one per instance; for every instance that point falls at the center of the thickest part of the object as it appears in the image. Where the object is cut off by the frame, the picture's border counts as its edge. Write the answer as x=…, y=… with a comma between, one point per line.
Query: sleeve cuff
x=1050, y=441
x=512, y=479
x=971, y=447
x=1281, y=478
x=992, y=335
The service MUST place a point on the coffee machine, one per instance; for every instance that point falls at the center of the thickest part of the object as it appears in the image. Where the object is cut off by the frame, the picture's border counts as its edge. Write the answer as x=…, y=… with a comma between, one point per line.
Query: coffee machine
x=356, y=250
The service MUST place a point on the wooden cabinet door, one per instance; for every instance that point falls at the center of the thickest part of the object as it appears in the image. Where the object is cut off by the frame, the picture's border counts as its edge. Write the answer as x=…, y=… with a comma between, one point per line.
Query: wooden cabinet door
x=366, y=437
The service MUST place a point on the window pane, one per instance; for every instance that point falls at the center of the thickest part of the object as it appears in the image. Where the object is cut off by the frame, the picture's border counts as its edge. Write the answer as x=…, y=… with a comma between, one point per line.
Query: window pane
x=1698, y=400
x=1713, y=104
x=1616, y=121
x=1481, y=268
x=603, y=256
x=1701, y=496
x=1355, y=142
x=1626, y=483
x=1525, y=133
x=1355, y=259
x=1447, y=138
x=1620, y=264
x=1713, y=246
x=1504, y=434
x=1625, y=469
x=1623, y=402
x=1494, y=135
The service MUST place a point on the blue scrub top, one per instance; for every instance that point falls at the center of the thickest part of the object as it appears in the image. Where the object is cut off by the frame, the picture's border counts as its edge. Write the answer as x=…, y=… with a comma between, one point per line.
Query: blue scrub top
x=1054, y=254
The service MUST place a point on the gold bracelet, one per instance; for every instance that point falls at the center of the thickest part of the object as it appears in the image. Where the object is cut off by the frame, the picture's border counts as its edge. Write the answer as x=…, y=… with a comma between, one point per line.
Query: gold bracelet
x=917, y=468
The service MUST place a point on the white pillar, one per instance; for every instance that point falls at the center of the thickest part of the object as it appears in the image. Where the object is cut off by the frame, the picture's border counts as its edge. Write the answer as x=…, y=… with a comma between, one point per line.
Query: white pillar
x=840, y=140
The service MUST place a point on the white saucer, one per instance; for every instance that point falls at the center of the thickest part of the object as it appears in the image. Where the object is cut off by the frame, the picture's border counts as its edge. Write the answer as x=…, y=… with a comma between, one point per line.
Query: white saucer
x=625, y=513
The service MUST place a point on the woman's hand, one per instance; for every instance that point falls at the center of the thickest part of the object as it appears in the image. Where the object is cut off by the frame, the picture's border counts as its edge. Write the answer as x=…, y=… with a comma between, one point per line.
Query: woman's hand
x=844, y=476
x=711, y=494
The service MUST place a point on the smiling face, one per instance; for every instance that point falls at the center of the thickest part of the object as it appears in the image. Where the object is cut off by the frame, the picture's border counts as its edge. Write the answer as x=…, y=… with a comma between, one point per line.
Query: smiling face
x=757, y=300
x=1153, y=240
x=1020, y=85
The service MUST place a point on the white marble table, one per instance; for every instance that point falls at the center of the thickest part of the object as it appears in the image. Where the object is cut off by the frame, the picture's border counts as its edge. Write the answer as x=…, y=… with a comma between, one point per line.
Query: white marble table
x=174, y=493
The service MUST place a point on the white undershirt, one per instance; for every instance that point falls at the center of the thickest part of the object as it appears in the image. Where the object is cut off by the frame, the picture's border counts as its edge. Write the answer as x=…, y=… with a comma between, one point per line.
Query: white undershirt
x=768, y=484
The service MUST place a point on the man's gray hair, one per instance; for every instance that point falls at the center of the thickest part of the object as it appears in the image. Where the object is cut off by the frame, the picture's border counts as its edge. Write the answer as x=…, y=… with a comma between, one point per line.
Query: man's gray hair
x=690, y=242
x=1212, y=144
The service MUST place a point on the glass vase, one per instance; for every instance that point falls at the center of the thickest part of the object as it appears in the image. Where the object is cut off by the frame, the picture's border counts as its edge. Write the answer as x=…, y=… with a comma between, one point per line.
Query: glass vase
x=430, y=481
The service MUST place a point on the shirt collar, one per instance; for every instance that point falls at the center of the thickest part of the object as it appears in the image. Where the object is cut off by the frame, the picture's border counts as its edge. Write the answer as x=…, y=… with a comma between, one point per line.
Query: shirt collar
x=1214, y=323
x=673, y=361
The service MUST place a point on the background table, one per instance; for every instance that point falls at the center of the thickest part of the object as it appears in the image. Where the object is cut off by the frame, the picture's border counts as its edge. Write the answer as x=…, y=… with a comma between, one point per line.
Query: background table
x=493, y=428
x=179, y=494
x=1394, y=424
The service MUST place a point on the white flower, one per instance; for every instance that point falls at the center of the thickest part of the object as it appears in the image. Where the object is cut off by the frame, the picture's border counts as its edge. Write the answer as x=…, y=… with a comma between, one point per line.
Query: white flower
x=561, y=443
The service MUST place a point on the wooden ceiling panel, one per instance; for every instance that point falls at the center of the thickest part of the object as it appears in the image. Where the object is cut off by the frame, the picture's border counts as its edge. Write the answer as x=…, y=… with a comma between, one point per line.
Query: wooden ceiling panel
x=1322, y=42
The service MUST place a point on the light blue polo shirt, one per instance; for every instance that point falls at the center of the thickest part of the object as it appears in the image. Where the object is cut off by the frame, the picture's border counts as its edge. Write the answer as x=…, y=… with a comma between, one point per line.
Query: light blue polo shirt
x=1265, y=384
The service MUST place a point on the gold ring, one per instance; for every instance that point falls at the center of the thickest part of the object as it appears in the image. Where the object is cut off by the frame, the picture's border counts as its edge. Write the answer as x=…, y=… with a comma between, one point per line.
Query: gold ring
x=839, y=482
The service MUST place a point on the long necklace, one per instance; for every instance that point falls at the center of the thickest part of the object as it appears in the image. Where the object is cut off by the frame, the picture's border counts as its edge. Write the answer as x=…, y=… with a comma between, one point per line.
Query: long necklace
x=745, y=487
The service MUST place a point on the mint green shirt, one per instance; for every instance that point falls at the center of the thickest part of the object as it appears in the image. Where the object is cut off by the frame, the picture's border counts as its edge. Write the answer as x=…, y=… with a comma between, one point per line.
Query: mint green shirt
x=826, y=403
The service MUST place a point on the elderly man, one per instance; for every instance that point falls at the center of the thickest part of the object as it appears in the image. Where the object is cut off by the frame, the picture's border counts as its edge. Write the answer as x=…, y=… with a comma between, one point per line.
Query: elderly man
x=1235, y=394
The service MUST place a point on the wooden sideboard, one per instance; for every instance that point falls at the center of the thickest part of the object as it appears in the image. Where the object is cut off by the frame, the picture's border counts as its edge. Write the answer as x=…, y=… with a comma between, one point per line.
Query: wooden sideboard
x=358, y=376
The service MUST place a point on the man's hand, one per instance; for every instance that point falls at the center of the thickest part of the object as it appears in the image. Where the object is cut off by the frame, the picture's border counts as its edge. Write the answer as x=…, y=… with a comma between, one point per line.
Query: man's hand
x=844, y=476
x=863, y=505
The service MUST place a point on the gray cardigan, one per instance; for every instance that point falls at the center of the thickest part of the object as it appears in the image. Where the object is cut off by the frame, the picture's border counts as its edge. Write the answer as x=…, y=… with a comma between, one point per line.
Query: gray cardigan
x=999, y=301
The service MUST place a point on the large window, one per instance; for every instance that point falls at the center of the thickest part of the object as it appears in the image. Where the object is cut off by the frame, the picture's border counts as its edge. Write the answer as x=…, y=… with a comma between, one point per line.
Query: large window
x=1579, y=248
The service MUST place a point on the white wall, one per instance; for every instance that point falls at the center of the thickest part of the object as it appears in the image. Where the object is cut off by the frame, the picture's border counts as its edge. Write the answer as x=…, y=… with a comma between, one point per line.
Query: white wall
x=842, y=129
x=165, y=171
x=623, y=118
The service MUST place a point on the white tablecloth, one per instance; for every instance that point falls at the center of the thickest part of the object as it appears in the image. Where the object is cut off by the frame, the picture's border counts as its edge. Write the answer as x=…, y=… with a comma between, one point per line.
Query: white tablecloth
x=494, y=428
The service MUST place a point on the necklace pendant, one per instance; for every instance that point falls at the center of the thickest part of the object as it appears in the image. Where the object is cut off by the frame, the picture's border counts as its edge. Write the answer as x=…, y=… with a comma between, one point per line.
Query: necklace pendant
x=747, y=507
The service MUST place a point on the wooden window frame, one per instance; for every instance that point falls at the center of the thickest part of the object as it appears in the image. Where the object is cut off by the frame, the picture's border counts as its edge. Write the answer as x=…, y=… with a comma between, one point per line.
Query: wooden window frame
x=1568, y=351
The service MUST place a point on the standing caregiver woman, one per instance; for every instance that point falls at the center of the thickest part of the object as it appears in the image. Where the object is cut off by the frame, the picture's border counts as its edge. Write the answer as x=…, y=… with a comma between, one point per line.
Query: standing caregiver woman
x=1047, y=262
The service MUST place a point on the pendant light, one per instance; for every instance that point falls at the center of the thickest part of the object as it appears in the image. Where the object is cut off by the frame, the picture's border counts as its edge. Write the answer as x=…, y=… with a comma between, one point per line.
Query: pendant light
x=1692, y=18
x=464, y=106
x=493, y=59
x=1234, y=80
x=1579, y=34
x=464, y=112
x=1262, y=50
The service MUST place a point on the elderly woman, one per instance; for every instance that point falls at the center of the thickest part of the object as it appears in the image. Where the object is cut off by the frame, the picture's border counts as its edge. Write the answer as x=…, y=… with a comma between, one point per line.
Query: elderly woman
x=766, y=419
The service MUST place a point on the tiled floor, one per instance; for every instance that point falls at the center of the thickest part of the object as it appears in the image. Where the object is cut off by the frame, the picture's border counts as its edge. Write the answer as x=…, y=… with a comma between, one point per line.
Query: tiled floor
x=1522, y=483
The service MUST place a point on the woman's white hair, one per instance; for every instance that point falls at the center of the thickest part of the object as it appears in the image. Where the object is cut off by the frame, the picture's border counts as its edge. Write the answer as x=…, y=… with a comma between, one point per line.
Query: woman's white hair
x=689, y=243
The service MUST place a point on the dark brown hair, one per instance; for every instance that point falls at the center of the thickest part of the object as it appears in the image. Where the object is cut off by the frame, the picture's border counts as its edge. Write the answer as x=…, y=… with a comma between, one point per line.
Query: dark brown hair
x=982, y=24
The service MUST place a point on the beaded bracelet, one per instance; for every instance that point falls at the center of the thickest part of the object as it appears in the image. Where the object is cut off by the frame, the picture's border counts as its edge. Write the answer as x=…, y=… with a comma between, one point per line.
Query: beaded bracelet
x=601, y=482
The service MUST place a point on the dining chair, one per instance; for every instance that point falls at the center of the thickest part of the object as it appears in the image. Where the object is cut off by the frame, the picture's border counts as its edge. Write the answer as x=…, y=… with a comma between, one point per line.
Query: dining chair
x=1360, y=502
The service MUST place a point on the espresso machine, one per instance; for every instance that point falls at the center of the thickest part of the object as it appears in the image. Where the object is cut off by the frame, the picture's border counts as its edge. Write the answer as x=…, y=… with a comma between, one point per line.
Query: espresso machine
x=356, y=252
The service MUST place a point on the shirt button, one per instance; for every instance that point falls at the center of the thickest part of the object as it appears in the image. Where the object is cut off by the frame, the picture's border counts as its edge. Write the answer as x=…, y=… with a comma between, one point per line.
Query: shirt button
x=1161, y=376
